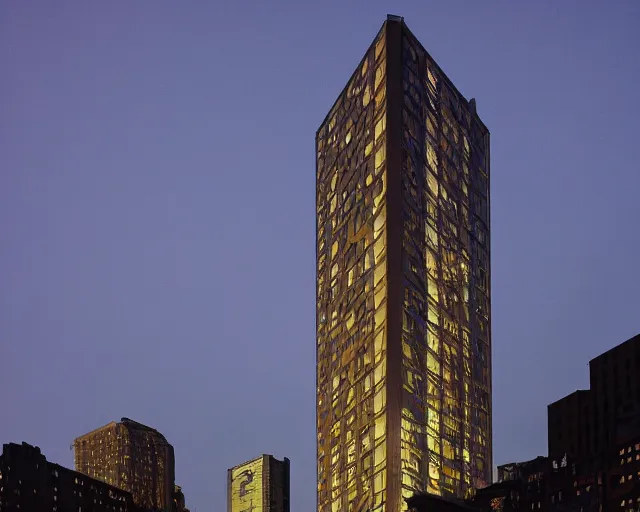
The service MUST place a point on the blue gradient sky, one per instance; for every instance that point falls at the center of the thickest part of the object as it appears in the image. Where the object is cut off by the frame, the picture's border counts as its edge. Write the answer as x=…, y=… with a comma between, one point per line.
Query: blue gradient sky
x=157, y=212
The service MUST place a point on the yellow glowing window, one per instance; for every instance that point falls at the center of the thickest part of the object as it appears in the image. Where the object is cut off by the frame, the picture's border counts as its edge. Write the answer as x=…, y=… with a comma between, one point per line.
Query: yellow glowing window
x=379, y=191
x=379, y=273
x=379, y=222
x=447, y=449
x=379, y=74
x=380, y=427
x=432, y=78
x=432, y=444
x=380, y=97
x=379, y=296
x=432, y=157
x=368, y=148
x=379, y=47
x=380, y=126
x=334, y=249
x=432, y=183
x=430, y=127
x=433, y=365
x=366, y=443
x=380, y=156
x=379, y=341
x=380, y=455
x=379, y=373
x=366, y=96
x=432, y=236
x=365, y=67
x=350, y=320
x=432, y=289
x=368, y=260
x=379, y=401
x=379, y=481
x=433, y=315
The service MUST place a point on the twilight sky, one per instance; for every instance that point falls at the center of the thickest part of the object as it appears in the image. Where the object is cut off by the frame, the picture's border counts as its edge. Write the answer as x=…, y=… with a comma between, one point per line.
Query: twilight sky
x=157, y=255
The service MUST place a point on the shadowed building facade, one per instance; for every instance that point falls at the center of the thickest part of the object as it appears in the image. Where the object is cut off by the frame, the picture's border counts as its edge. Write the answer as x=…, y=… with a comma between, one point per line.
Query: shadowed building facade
x=403, y=285
x=30, y=483
x=259, y=485
x=130, y=456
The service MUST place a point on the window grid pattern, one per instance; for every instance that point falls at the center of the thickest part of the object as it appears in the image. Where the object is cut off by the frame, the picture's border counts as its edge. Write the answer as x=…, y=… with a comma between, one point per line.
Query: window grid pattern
x=352, y=293
x=443, y=423
x=446, y=415
x=138, y=460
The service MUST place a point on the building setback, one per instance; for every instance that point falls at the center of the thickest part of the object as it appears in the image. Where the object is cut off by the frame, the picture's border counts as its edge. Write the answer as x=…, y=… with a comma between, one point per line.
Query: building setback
x=594, y=447
x=29, y=483
x=589, y=429
x=259, y=485
x=403, y=284
x=584, y=425
x=130, y=456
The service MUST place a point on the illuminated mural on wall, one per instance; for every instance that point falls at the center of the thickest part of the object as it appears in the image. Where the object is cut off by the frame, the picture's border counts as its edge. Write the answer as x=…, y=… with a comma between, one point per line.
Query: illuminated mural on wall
x=247, y=487
x=403, y=326
x=260, y=485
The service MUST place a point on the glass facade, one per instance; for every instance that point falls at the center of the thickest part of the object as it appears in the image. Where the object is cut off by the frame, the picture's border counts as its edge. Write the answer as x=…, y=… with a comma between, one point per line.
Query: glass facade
x=352, y=291
x=403, y=325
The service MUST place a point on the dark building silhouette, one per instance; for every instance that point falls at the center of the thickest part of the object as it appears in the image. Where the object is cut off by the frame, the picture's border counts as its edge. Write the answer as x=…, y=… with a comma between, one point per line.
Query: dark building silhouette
x=540, y=485
x=133, y=457
x=520, y=486
x=259, y=485
x=623, y=472
x=29, y=483
x=424, y=502
x=594, y=447
x=403, y=284
x=615, y=386
x=179, y=503
x=569, y=424
x=583, y=426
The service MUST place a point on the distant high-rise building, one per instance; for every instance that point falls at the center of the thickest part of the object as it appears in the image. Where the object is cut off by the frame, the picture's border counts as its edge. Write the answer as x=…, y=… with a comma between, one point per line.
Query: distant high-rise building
x=130, y=456
x=259, y=485
x=403, y=284
x=30, y=483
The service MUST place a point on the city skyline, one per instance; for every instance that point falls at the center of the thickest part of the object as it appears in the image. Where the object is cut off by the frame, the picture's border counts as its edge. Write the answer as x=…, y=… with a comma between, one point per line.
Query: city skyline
x=157, y=205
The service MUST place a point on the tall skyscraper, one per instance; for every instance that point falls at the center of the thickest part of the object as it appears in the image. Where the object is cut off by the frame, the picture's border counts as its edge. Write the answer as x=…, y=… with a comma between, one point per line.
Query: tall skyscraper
x=259, y=485
x=130, y=456
x=403, y=284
